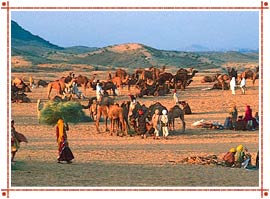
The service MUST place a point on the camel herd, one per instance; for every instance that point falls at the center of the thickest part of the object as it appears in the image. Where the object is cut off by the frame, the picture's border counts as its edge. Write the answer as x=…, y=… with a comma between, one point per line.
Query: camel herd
x=152, y=81
x=222, y=80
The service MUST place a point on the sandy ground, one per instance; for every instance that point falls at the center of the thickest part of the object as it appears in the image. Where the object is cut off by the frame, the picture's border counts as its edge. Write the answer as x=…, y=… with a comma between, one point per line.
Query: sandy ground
x=102, y=160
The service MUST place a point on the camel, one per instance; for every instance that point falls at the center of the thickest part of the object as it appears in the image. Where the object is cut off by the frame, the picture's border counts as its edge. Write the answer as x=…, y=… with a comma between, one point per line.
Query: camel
x=223, y=79
x=176, y=112
x=82, y=81
x=41, y=83
x=163, y=77
x=120, y=73
x=115, y=112
x=183, y=78
x=62, y=86
x=21, y=85
x=208, y=79
x=19, y=98
x=222, y=86
x=58, y=85
x=156, y=72
x=102, y=110
x=119, y=82
x=250, y=74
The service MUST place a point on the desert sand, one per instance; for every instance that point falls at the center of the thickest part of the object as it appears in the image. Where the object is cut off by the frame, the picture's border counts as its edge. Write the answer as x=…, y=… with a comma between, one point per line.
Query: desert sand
x=102, y=160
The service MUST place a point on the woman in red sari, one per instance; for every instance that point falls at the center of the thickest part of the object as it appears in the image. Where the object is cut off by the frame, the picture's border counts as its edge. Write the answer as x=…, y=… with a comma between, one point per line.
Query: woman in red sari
x=248, y=118
x=64, y=151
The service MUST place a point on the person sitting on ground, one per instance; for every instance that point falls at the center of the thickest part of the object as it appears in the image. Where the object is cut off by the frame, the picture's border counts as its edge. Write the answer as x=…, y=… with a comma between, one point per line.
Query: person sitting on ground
x=243, y=158
x=229, y=158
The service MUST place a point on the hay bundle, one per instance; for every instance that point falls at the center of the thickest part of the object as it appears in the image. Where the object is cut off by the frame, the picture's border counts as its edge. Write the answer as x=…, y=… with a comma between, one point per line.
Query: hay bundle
x=69, y=111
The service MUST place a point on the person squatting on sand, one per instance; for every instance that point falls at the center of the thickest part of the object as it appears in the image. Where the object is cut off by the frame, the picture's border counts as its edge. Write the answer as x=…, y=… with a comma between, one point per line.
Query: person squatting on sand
x=164, y=124
x=156, y=123
x=229, y=158
x=64, y=152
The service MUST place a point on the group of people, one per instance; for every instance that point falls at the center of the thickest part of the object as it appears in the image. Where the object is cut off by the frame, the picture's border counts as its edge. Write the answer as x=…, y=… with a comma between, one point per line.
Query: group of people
x=233, y=82
x=239, y=157
x=160, y=123
x=235, y=122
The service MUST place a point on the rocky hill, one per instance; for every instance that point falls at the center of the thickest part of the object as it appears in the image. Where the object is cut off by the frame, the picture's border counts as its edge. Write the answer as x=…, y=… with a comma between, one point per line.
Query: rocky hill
x=37, y=52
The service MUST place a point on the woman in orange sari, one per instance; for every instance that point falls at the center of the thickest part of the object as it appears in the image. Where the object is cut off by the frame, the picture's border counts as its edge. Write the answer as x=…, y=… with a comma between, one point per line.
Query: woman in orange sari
x=64, y=151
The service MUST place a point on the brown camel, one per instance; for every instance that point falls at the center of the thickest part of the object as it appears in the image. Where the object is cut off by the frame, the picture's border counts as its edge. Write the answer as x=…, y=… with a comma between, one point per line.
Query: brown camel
x=115, y=112
x=176, y=112
x=58, y=85
x=251, y=74
x=102, y=110
x=120, y=73
x=183, y=78
x=119, y=82
x=82, y=81
x=208, y=79
x=223, y=79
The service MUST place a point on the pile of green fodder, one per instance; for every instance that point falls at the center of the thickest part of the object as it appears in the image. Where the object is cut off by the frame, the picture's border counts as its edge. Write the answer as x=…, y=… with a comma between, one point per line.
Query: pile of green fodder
x=71, y=112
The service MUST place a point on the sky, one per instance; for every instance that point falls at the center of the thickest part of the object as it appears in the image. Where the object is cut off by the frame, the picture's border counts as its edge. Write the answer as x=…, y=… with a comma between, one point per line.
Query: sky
x=165, y=30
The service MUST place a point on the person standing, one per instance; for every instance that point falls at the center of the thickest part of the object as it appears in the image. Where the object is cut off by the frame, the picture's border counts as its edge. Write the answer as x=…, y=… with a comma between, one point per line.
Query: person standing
x=155, y=123
x=232, y=85
x=142, y=123
x=175, y=97
x=164, y=124
x=99, y=91
x=16, y=139
x=243, y=85
x=234, y=115
x=64, y=152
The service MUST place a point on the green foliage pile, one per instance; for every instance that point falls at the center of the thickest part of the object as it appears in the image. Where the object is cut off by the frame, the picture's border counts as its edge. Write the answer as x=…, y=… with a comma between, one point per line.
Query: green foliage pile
x=70, y=112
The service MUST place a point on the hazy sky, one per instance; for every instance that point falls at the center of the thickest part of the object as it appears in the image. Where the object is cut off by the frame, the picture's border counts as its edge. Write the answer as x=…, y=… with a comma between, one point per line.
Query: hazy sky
x=168, y=30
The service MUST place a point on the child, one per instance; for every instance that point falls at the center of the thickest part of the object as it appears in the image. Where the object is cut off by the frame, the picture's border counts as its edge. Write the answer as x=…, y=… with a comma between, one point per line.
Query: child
x=175, y=97
x=164, y=124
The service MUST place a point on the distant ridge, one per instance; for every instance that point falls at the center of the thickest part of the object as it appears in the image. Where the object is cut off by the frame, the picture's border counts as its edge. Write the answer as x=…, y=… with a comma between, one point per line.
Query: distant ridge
x=20, y=34
x=37, y=51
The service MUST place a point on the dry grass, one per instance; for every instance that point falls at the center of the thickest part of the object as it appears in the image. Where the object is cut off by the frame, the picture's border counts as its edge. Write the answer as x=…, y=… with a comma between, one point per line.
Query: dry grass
x=103, y=160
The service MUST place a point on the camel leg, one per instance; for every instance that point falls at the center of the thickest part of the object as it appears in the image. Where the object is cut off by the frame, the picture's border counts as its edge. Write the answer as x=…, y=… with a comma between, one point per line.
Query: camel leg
x=97, y=123
x=112, y=126
x=183, y=123
x=106, y=123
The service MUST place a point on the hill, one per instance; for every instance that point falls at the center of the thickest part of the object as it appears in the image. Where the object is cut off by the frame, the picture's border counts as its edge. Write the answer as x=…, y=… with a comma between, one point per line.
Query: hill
x=39, y=54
